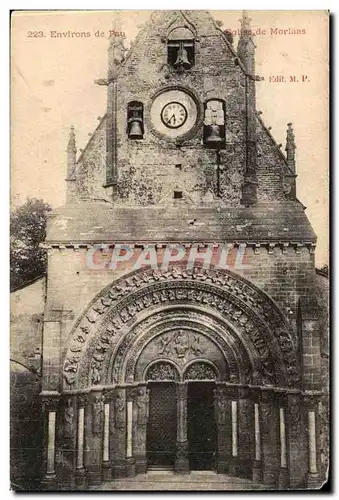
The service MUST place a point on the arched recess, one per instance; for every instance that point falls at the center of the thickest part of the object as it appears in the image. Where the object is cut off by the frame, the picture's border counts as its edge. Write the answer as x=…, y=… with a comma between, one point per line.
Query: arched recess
x=163, y=370
x=201, y=370
x=251, y=328
x=179, y=347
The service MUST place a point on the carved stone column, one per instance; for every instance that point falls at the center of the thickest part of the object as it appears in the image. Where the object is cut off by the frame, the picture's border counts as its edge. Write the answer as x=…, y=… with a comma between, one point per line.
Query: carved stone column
x=269, y=413
x=296, y=441
x=233, y=470
x=80, y=472
x=246, y=444
x=181, y=460
x=233, y=396
x=118, y=445
x=257, y=463
x=94, y=421
x=67, y=447
x=142, y=407
x=312, y=418
x=106, y=459
x=283, y=472
x=50, y=405
x=130, y=431
x=222, y=417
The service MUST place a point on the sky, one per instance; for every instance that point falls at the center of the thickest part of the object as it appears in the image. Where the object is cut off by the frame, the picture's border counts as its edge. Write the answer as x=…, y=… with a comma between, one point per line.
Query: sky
x=53, y=88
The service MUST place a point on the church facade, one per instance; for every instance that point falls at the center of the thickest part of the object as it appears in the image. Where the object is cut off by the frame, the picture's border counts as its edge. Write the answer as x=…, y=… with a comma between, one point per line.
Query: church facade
x=181, y=327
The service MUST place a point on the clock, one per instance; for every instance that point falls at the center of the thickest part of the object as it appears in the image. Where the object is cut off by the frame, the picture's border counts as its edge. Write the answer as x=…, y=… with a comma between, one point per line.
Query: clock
x=174, y=115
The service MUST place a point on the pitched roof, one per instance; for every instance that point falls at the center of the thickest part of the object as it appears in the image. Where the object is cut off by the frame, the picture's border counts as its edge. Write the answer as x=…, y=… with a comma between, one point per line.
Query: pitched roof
x=100, y=222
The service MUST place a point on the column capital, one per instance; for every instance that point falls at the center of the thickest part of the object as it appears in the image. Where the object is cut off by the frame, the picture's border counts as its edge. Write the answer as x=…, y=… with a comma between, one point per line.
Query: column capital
x=108, y=395
x=310, y=401
x=282, y=399
x=131, y=392
x=95, y=397
x=232, y=391
x=182, y=390
x=254, y=394
x=50, y=401
x=293, y=399
x=238, y=391
x=220, y=391
x=244, y=392
x=267, y=395
x=82, y=399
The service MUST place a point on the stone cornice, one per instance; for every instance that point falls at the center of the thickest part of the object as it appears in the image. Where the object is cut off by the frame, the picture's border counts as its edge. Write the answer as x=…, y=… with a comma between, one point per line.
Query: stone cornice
x=266, y=245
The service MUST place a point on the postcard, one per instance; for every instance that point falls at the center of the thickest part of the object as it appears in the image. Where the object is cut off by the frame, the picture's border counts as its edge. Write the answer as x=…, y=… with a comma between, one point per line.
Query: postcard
x=169, y=250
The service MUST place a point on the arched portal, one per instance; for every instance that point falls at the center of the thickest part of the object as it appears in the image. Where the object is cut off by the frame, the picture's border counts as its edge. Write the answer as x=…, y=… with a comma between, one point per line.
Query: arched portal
x=154, y=333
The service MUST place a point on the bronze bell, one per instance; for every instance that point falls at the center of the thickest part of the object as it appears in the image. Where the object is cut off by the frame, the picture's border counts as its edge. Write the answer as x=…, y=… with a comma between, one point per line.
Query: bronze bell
x=135, y=131
x=182, y=59
x=213, y=134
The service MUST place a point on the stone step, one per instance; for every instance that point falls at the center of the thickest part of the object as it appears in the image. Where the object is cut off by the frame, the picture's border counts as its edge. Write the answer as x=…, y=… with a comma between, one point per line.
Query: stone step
x=164, y=481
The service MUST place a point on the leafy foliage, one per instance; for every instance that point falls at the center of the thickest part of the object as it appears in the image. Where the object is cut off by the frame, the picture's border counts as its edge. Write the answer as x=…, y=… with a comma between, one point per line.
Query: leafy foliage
x=28, y=230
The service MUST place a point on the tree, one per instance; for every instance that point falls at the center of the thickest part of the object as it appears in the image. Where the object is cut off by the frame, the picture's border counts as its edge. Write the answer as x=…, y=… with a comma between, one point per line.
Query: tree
x=28, y=229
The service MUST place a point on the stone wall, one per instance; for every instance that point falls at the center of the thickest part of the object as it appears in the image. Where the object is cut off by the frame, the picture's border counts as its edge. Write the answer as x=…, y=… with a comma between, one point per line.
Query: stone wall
x=27, y=309
x=285, y=277
x=25, y=428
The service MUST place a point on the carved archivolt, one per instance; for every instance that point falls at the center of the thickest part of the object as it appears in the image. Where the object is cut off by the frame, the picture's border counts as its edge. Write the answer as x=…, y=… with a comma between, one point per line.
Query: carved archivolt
x=107, y=322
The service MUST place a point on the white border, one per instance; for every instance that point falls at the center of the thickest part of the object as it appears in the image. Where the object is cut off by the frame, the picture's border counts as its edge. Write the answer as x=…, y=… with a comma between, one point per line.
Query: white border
x=4, y=190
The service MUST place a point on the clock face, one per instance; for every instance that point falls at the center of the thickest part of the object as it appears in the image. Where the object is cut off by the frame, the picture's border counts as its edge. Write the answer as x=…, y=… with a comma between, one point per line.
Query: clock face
x=174, y=115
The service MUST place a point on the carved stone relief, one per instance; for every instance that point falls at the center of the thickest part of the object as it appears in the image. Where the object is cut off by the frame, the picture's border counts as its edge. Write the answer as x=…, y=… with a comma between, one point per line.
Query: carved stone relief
x=162, y=371
x=97, y=414
x=119, y=409
x=142, y=402
x=294, y=417
x=69, y=414
x=200, y=371
x=239, y=364
x=151, y=341
x=179, y=344
x=220, y=405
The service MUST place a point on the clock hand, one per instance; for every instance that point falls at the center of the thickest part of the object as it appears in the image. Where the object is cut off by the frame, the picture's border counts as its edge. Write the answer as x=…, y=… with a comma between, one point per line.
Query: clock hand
x=173, y=116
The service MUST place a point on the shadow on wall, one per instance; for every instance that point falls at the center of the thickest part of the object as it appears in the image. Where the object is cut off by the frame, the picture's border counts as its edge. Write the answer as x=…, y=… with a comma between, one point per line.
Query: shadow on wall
x=25, y=428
